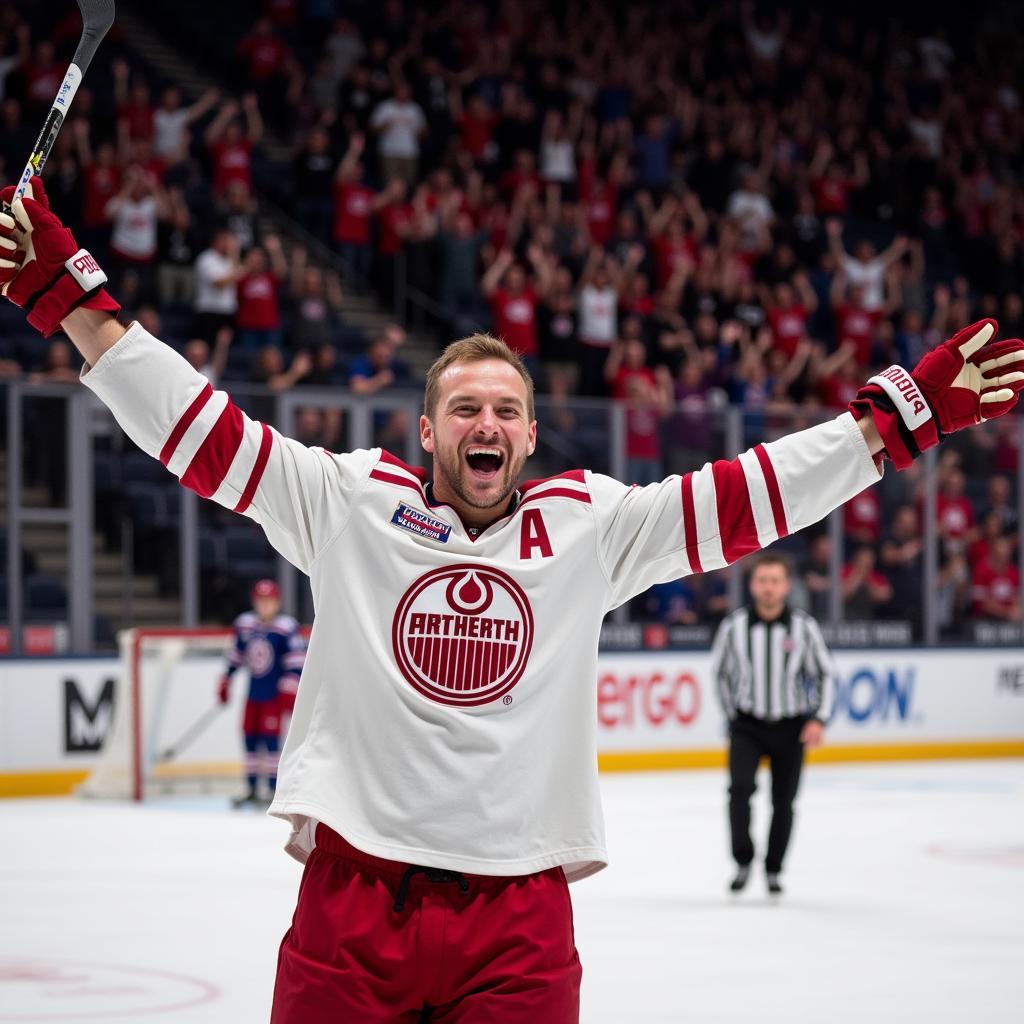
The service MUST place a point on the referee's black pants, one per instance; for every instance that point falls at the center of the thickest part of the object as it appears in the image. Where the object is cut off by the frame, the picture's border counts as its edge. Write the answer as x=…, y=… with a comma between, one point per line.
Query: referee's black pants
x=750, y=739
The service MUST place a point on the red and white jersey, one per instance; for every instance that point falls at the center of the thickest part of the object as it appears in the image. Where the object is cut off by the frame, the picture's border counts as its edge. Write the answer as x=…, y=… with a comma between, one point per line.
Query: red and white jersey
x=448, y=709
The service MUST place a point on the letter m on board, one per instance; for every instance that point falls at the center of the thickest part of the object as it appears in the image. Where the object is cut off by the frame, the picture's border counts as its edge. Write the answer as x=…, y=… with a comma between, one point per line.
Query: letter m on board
x=85, y=724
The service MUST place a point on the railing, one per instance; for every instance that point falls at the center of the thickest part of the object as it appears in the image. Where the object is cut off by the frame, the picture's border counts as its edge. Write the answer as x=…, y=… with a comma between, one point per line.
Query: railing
x=178, y=546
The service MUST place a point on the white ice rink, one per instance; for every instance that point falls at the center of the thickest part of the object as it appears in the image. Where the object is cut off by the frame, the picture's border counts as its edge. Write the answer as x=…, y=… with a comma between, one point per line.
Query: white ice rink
x=904, y=902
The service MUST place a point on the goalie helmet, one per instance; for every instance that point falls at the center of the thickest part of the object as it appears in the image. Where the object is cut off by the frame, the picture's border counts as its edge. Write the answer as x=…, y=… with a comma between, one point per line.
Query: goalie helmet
x=266, y=588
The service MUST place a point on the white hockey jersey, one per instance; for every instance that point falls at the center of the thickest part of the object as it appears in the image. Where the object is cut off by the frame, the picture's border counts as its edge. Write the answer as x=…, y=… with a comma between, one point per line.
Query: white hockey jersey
x=448, y=709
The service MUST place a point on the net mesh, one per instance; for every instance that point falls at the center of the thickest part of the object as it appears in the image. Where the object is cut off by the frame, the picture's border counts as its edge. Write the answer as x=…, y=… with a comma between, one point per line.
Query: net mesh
x=169, y=734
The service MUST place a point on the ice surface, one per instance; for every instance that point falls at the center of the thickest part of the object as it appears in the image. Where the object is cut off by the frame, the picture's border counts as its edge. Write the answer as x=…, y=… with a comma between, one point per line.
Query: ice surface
x=904, y=902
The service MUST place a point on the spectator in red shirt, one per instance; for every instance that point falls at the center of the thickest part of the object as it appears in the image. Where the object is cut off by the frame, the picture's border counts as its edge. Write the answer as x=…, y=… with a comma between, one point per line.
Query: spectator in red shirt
x=647, y=393
x=353, y=208
x=855, y=325
x=134, y=105
x=862, y=517
x=676, y=230
x=514, y=300
x=476, y=124
x=101, y=179
x=832, y=183
x=230, y=145
x=995, y=589
x=837, y=377
x=258, y=319
x=43, y=75
x=264, y=56
x=864, y=588
x=788, y=307
x=954, y=513
x=990, y=528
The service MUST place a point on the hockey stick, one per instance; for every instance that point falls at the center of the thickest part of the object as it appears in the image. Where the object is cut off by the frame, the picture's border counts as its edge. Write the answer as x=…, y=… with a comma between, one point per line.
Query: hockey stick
x=191, y=733
x=97, y=17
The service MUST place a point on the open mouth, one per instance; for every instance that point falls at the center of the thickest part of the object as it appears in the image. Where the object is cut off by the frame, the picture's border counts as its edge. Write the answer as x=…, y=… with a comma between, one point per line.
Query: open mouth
x=485, y=462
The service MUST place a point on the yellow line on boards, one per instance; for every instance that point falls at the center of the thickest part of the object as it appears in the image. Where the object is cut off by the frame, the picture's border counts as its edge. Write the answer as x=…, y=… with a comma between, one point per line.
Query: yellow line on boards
x=40, y=783
x=660, y=760
x=62, y=783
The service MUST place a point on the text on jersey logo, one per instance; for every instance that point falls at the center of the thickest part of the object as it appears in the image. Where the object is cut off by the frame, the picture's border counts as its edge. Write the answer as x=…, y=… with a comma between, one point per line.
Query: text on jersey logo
x=412, y=519
x=462, y=634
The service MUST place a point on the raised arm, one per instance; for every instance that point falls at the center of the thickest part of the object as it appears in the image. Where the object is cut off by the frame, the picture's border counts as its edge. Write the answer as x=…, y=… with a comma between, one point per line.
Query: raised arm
x=496, y=271
x=299, y=495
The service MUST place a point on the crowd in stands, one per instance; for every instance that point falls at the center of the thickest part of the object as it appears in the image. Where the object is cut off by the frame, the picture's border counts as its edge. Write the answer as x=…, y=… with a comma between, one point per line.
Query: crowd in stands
x=684, y=207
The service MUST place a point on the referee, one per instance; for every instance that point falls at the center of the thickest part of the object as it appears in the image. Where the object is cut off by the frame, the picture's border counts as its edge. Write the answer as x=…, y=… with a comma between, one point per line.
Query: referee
x=776, y=683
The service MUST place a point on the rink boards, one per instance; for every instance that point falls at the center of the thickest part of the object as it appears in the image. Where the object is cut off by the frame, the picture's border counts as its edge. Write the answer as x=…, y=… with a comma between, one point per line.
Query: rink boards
x=654, y=710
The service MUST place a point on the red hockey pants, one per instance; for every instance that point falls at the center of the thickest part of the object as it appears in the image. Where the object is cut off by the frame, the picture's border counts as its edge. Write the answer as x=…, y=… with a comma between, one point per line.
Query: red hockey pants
x=375, y=941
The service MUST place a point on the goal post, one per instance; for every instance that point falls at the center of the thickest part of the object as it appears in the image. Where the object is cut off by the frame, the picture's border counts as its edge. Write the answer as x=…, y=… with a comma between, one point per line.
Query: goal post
x=168, y=734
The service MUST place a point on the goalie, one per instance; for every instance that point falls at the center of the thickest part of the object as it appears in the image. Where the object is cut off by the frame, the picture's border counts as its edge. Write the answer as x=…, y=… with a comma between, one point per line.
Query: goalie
x=269, y=646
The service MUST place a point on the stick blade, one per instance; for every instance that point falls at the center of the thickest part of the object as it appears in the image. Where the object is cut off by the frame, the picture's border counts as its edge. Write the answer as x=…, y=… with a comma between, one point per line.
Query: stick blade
x=97, y=17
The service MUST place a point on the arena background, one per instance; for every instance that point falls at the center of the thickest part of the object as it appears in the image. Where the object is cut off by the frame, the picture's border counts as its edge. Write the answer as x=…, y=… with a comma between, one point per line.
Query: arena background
x=776, y=201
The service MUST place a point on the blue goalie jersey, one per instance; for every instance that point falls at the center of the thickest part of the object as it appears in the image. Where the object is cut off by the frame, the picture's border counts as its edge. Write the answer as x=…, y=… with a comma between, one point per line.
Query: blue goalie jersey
x=272, y=653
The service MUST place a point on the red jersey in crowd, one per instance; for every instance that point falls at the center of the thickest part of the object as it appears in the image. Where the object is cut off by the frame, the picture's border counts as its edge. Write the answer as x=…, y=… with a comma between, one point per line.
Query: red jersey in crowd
x=955, y=516
x=642, y=438
x=515, y=319
x=600, y=209
x=139, y=118
x=393, y=219
x=232, y=161
x=476, y=132
x=831, y=196
x=836, y=392
x=670, y=254
x=353, y=207
x=41, y=84
x=862, y=516
x=998, y=586
x=494, y=220
x=265, y=56
x=859, y=326
x=258, y=307
x=101, y=185
x=788, y=326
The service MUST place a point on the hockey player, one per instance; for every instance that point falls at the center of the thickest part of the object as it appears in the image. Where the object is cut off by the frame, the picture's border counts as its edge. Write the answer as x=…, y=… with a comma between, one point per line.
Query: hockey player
x=440, y=774
x=269, y=646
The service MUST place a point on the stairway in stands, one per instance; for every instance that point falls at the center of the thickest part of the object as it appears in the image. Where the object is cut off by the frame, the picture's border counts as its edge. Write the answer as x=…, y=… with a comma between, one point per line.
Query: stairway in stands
x=121, y=598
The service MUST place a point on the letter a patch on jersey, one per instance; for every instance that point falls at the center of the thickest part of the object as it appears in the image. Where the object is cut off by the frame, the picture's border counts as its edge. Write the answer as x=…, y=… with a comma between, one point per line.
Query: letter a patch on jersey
x=534, y=536
x=412, y=519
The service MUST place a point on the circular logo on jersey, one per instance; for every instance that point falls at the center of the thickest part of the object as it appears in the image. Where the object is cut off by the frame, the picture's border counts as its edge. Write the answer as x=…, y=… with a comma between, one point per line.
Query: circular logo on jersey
x=462, y=634
x=259, y=656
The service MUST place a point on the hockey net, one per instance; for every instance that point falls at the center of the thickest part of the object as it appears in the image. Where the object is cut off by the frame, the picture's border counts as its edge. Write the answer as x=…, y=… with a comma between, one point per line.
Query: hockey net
x=169, y=734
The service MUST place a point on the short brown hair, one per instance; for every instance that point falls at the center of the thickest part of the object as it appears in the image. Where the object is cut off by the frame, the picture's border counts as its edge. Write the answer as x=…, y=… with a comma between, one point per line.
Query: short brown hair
x=771, y=559
x=474, y=349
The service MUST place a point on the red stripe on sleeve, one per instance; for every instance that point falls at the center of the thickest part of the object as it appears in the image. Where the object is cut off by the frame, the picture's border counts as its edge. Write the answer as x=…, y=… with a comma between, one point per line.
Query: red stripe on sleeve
x=774, y=491
x=690, y=524
x=213, y=460
x=184, y=423
x=736, y=525
x=262, y=458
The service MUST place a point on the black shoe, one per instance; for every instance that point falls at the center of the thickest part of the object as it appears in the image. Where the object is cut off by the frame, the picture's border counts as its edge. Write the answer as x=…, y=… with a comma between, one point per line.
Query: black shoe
x=739, y=883
x=249, y=800
x=774, y=886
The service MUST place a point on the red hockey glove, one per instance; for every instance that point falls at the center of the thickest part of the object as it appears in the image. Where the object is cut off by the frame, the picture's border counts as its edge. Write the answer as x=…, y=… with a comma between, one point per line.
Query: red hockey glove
x=962, y=382
x=47, y=274
x=224, y=690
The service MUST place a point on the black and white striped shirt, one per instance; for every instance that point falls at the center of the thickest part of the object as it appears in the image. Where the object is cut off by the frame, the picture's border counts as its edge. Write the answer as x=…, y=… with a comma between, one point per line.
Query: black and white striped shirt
x=774, y=669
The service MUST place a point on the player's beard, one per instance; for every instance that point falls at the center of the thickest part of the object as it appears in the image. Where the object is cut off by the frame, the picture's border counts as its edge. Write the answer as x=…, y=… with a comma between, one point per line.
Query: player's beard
x=453, y=467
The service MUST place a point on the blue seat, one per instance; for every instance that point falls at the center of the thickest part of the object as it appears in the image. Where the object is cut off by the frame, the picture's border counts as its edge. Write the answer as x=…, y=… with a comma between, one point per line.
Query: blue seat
x=44, y=595
x=244, y=544
x=139, y=468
